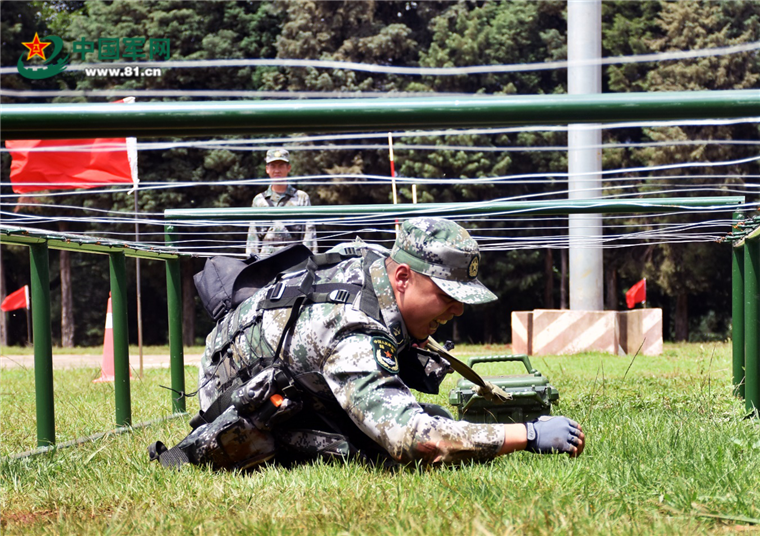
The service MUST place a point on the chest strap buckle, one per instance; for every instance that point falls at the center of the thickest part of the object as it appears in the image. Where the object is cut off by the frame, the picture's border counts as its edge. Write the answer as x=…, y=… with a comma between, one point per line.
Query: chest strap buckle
x=340, y=295
x=276, y=292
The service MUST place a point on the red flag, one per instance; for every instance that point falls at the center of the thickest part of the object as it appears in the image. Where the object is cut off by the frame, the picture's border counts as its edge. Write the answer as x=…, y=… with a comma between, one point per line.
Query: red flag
x=16, y=300
x=40, y=165
x=636, y=294
x=102, y=161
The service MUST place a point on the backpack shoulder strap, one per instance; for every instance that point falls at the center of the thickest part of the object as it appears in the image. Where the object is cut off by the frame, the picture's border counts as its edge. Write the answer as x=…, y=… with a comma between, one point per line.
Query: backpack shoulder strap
x=369, y=304
x=283, y=293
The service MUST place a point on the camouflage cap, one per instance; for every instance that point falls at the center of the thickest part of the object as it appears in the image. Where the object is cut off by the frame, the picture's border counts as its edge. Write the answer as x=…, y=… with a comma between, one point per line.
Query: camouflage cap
x=278, y=154
x=445, y=252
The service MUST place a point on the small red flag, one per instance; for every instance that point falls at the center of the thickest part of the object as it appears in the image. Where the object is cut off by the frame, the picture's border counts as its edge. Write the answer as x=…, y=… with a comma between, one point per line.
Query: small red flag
x=16, y=300
x=70, y=164
x=636, y=294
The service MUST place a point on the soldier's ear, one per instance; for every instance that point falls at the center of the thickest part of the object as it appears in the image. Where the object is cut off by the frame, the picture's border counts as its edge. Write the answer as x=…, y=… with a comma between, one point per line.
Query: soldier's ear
x=402, y=277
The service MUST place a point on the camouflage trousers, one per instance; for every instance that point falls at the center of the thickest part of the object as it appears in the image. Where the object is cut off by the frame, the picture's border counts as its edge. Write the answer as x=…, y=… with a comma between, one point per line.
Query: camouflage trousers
x=232, y=442
x=259, y=425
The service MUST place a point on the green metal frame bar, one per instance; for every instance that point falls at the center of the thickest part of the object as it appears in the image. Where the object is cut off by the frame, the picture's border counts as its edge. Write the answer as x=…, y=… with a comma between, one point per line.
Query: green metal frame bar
x=118, y=270
x=55, y=121
x=82, y=244
x=556, y=207
x=176, y=350
x=174, y=306
x=43, y=344
x=39, y=243
x=737, y=316
x=752, y=323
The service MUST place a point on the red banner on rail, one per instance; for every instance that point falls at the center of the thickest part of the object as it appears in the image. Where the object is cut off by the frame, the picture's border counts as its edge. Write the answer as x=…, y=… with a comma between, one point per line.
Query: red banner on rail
x=40, y=165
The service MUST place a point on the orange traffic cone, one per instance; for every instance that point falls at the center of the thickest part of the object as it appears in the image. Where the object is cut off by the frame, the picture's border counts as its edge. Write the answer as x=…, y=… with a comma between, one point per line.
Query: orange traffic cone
x=107, y=367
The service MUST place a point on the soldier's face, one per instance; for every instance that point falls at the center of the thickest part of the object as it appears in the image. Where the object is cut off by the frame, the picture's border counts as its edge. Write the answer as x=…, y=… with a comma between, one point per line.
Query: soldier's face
x=278, y=169
x=424, y=306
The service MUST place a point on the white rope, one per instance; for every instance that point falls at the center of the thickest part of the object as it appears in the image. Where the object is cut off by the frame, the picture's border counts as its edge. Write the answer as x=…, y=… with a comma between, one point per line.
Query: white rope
x=303, y=179
x=234, y=145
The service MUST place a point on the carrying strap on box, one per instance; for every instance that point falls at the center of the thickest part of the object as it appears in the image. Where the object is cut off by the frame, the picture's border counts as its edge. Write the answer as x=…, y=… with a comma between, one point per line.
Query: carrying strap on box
x=485, y=388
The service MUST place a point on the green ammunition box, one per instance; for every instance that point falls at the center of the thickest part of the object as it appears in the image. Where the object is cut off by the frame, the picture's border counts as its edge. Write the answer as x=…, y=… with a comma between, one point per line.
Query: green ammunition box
x=532, y=396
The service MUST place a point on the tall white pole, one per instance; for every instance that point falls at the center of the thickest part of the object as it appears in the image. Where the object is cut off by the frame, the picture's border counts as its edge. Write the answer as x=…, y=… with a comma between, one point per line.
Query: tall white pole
x=584, y=76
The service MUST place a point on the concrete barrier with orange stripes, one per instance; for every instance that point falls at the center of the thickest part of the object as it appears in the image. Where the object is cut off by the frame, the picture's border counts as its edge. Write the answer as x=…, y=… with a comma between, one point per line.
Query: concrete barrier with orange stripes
x=563, y=332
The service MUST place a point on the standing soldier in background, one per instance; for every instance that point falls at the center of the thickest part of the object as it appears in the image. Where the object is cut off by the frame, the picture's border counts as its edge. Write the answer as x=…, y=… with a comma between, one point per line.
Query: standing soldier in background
x=263, y=241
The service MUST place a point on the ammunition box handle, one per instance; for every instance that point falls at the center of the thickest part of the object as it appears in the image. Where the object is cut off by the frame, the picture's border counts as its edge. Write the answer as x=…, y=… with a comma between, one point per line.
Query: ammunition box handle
x=500, y=358
x=532, y=395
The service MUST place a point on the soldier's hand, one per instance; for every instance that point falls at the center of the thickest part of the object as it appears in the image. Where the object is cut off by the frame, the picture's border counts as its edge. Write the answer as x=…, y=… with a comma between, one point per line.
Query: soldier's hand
x=552, y=435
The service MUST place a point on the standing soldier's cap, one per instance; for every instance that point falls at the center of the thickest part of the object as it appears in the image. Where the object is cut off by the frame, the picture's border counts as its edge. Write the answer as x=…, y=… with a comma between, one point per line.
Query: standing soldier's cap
x=444, y=251
x=278, y=154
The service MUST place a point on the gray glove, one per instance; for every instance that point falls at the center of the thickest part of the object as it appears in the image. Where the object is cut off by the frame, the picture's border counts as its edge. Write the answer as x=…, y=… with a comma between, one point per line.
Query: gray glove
x=551, y=435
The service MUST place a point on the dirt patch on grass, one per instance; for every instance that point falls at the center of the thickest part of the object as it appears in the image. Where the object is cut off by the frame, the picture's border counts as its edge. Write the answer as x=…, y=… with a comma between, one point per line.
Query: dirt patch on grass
x=26, y=518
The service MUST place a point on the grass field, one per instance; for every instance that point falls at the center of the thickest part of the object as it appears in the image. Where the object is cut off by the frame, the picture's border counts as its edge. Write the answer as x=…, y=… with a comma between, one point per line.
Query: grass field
x=668, y=452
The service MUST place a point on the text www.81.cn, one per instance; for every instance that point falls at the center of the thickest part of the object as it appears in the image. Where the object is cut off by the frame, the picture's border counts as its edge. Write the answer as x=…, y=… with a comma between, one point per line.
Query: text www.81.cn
x=126, y=71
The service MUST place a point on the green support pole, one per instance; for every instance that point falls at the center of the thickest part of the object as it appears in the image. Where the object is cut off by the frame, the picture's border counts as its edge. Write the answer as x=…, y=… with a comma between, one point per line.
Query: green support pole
x=174, y=306
x=751, y=323
x=737, y=314
x=120, y=338
x=43, y=344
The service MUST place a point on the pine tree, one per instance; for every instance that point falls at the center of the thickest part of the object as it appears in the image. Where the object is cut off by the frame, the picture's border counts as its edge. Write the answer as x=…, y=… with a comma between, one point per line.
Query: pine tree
x=372, y=32
x=683, y=270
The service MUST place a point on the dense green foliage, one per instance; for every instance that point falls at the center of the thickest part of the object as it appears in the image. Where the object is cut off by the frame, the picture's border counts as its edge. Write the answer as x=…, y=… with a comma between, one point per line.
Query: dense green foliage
x=668, y=452
x=689, y=281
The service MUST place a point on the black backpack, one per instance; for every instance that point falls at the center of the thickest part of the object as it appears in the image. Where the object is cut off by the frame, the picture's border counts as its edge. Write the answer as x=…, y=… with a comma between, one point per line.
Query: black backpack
x=226, y=282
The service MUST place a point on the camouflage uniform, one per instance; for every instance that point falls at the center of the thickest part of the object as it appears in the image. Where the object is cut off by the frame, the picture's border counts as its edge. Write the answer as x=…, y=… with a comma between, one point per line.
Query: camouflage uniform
x=264, y=241
x=347, y=355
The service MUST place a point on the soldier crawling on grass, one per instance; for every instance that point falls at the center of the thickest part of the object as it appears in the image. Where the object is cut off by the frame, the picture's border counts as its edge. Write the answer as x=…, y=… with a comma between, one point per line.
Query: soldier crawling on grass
x=320, y=362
